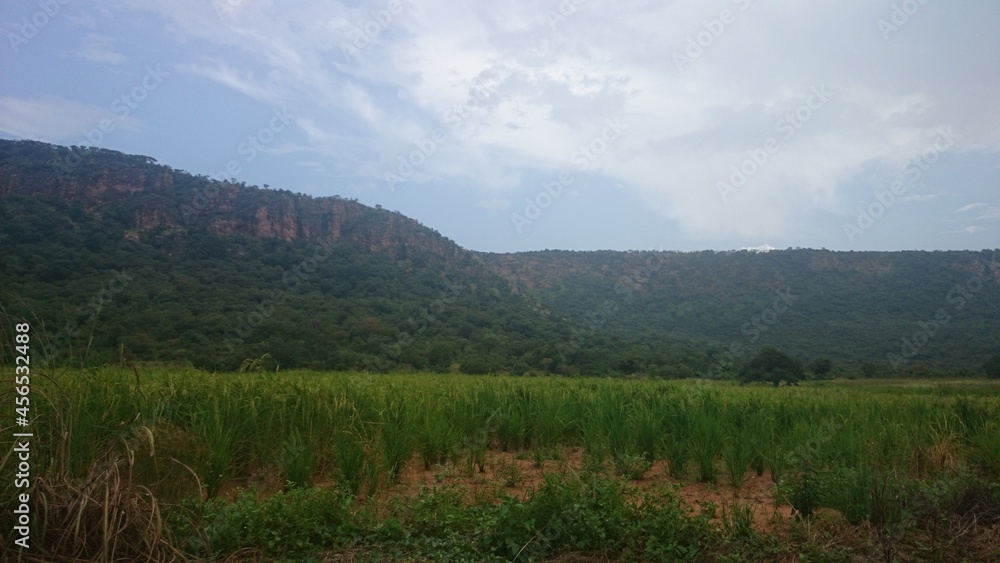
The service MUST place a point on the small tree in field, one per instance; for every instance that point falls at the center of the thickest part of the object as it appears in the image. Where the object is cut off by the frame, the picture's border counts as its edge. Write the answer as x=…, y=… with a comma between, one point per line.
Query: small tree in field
x=821, y=367
x=774, y=366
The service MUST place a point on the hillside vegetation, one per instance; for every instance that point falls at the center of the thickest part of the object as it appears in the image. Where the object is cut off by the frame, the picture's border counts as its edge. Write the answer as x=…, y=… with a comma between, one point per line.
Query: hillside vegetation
x=114, y=257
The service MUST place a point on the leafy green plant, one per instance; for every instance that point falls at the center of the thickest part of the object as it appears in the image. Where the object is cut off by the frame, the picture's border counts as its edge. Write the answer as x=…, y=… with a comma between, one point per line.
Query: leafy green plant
x=971, y=417
x=509, y=474
x=675, y=451
x=297, y=522
x=437, y=437
x=647, y=427
x=220, y=429
x=298, y=460
x=849, y=489
x=596, y=446
x=738, y=522
x=474, y=447
x=511, y=427
x=396, y=440
x=802, y=485
x=889, y=512
x=631, y=466
x=737, y=455
x=664, y=529
x=706, y=442
x=986, y=449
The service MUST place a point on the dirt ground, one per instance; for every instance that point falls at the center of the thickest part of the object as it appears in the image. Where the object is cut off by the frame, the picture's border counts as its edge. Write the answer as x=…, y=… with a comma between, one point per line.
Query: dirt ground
x=755, y=492
x=517, y=474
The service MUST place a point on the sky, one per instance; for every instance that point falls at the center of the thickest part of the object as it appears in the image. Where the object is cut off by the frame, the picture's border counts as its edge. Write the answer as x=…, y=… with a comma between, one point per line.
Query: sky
x=548, y=124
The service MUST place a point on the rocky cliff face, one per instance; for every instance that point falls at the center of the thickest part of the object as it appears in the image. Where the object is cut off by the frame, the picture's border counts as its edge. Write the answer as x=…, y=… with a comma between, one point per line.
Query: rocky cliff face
x=148, y=196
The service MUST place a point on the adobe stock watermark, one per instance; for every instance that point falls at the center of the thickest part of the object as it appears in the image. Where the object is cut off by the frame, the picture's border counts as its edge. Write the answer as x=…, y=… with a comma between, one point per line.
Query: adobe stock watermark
x=33, y=25
x=367, y=33
x=787, y=126
x=700, y=42
x=900, y=16
x=563, y=11
x=225, y=7
x=453, y=117
x=122, y=106
x=957, y=298
x=760, y=324
x=249, y=148
x=583, y=158
x=913, y=169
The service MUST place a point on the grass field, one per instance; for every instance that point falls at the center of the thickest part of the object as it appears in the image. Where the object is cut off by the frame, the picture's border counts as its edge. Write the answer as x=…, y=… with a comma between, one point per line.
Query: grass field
x=172, y=464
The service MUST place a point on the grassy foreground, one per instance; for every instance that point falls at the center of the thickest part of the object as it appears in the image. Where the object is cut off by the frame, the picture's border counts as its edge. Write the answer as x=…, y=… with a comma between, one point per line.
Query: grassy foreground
x=300, y=466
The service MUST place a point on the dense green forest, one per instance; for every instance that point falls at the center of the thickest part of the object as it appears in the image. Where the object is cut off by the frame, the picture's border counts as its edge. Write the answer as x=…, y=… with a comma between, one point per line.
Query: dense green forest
x=114, y=258
x=885, y=311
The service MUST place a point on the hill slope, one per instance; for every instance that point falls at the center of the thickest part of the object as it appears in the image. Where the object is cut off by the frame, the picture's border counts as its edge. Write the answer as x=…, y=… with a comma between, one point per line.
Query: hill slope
x=112, y=255
x=939, y=308
x=163, y=265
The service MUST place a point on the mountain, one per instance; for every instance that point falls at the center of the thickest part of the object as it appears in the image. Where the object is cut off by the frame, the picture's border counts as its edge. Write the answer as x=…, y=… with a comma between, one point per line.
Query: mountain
x=114, y=256
x=892, y=309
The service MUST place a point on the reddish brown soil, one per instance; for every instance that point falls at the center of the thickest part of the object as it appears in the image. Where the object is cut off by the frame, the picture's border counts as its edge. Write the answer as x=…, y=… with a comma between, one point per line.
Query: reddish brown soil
x=771, y=516
x=755, y=492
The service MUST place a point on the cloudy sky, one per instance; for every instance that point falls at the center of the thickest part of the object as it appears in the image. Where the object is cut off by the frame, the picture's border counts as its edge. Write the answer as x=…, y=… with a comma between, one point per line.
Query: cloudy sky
x=576, y=124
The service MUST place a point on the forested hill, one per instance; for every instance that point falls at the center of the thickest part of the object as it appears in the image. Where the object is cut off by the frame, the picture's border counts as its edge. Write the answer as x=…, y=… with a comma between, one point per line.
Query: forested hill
x=113, y=256
x=151, y=199
x=165, y=266
x=902, y=308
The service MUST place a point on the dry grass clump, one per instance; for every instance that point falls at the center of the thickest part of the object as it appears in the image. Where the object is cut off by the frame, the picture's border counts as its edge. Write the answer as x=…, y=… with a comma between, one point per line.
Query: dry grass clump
x=103, y=514
x=106, y=517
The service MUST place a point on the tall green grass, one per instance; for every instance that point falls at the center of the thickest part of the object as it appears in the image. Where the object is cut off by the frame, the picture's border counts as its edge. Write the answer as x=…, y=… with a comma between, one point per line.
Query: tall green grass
x=223, y=431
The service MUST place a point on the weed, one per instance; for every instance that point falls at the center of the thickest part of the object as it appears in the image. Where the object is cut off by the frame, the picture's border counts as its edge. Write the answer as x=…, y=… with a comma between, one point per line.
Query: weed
x=351, y=460
x=631, y=466
x=298, y=460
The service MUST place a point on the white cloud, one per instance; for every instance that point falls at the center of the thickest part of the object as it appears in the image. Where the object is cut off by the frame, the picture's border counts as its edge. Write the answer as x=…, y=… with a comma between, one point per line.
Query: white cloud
x=969, y=230
x=970, y=207
x=54, y=119
x=760, y=248
x=992, y=212
x=360, y=102
x=974, y=214
x=243, y=81
x=918, y=198
x=96, y=48
x=686, y=130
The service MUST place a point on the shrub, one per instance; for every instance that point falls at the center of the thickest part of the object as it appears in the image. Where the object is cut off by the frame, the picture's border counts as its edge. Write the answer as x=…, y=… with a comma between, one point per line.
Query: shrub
x=773, y=366
x=296, y=521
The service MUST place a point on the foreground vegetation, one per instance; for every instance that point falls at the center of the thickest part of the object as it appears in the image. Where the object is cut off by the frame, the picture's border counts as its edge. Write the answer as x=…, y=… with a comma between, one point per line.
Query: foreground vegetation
x=305, y=466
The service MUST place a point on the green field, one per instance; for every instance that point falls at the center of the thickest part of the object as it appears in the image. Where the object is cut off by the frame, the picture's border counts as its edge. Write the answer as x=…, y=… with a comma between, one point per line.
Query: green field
x=310, y=466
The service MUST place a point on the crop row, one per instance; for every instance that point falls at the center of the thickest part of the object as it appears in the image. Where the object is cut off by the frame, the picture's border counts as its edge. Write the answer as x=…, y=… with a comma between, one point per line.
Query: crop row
x=874, y=454
x=362, y=430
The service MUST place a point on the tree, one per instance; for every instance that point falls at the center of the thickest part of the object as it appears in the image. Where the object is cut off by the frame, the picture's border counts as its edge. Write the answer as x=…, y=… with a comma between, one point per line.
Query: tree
x=992, y=367
x=370, y=325
x=820, y=367
x=774, y=366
